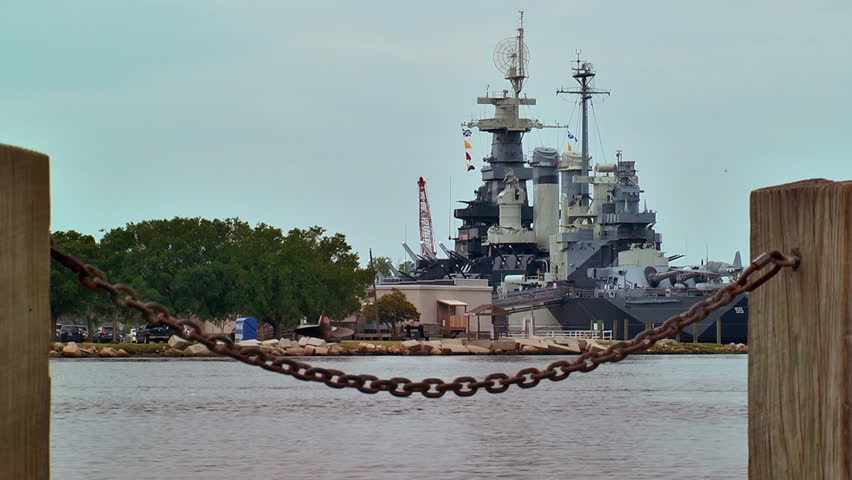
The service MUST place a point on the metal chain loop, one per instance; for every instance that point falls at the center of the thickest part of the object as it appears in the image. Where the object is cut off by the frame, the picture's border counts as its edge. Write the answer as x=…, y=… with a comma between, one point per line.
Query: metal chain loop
x=126, y=297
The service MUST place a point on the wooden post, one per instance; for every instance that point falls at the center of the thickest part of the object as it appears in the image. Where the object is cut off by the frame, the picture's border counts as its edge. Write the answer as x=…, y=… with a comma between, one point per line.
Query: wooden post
x=718, y=331
x=626, y=329
x=694, y=333
x=800, y=335
x=24, y=314
x=615, y=329
x=478, y=327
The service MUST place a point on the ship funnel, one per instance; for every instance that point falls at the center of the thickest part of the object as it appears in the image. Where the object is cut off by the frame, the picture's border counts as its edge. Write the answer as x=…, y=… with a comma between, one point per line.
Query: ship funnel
x=545, y=163
x=570, y=166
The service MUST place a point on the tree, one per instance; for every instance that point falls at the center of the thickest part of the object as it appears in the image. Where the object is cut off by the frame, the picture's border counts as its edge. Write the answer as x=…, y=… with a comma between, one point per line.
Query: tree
x=324, y=277
x=217, y=269
x=382, y=265
x=394, y=308
x=182, y=263
x=67, y=296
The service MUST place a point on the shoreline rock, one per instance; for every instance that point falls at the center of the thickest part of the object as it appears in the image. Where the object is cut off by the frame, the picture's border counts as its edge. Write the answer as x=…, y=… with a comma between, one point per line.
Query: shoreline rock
x=307, y=346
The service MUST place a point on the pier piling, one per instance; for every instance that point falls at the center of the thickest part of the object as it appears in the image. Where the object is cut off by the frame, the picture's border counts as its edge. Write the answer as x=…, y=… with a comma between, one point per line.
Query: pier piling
x=800, y=347
x=24, y=314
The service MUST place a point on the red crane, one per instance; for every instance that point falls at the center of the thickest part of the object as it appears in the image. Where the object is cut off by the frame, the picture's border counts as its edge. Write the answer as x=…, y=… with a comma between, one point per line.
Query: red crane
x=427, y=241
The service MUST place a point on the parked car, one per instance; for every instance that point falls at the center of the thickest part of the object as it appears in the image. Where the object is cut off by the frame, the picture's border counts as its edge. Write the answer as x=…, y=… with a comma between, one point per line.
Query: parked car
x=84, y=333
x=153, y=333
x=70, y=333
x=131, y=337
x=104, y=335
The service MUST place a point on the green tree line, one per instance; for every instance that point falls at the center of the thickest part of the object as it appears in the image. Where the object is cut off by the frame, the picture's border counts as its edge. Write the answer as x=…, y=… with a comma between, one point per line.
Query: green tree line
x=215, y=270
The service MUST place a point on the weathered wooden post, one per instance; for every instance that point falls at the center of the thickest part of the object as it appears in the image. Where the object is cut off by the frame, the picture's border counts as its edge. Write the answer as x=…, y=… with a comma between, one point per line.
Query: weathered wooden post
x=626, y=329
x=800, y=335
x=24, y=314
x=718, y=331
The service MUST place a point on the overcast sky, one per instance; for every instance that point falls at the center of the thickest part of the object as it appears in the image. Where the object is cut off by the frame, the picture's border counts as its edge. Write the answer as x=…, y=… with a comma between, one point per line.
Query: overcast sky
x=326, y=113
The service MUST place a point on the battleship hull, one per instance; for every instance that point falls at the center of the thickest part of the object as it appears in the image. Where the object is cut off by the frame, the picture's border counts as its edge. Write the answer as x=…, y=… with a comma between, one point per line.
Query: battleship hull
x=583, y=313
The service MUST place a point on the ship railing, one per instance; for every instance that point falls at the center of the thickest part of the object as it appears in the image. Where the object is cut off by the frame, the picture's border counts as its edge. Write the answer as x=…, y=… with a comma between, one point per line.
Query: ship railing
x=498, y=94
x=554, y=333
x=643, y=292
x=581, y=293
x=536, y=294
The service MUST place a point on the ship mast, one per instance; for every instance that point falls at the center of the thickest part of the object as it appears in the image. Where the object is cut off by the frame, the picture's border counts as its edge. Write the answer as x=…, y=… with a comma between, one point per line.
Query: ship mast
x=517, y=72
x=584, y=74
x=507, y=129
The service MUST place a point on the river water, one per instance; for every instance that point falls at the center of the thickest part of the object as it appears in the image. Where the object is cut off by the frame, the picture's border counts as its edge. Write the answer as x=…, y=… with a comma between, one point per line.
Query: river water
x=646, y=417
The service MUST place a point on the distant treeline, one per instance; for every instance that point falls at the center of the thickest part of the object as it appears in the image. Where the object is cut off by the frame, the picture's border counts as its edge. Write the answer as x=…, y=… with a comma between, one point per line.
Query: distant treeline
x=214, y=270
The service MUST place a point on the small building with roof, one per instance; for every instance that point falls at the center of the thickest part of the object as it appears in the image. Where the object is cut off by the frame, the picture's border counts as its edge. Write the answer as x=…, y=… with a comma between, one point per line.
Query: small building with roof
x=444, y=304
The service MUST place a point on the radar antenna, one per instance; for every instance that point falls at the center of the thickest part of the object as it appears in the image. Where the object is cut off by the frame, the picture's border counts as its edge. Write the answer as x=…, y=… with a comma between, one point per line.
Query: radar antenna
x=511, y=57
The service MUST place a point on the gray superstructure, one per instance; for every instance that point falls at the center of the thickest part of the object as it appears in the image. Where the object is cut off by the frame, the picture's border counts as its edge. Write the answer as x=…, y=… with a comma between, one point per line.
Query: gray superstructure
x=507, y=129
x=587, y=245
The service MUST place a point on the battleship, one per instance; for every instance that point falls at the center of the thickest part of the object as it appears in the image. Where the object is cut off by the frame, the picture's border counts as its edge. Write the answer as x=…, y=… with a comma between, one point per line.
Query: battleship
x=583, y=255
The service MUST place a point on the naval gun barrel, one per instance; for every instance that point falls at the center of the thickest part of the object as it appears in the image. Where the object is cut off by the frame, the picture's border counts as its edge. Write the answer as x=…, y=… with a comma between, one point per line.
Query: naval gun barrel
x=654, y=277
x=411, y=253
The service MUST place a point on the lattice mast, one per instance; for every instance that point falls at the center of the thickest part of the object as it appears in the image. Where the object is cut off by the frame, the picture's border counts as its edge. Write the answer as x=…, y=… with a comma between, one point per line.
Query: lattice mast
x=584, y=73
x=427, y=240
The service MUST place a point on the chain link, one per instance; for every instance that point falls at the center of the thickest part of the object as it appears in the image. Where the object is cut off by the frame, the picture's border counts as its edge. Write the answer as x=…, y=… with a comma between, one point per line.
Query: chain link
x=126, y=297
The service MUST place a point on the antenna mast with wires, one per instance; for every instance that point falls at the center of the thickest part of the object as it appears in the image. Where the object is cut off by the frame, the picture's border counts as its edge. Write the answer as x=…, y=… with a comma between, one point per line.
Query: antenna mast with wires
x=584, y=73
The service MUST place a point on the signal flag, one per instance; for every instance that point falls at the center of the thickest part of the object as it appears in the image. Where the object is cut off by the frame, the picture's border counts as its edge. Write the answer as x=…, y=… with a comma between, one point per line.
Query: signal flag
x=467, y=144
x=467, y=156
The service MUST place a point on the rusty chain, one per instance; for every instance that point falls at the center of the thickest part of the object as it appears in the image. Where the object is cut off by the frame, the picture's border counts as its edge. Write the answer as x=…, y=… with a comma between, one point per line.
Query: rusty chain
x=126, y=297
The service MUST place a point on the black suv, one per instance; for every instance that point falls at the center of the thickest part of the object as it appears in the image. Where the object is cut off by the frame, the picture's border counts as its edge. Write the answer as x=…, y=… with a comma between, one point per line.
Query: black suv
x=104, y=335
x=153, y=333
x=70, y=333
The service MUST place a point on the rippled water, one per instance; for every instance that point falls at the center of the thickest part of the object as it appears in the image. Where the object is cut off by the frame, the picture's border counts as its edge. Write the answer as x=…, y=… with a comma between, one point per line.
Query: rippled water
x=646, y=417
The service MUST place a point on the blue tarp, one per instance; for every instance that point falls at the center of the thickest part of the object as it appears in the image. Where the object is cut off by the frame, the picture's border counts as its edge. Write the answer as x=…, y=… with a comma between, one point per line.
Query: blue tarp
x=246, y=329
